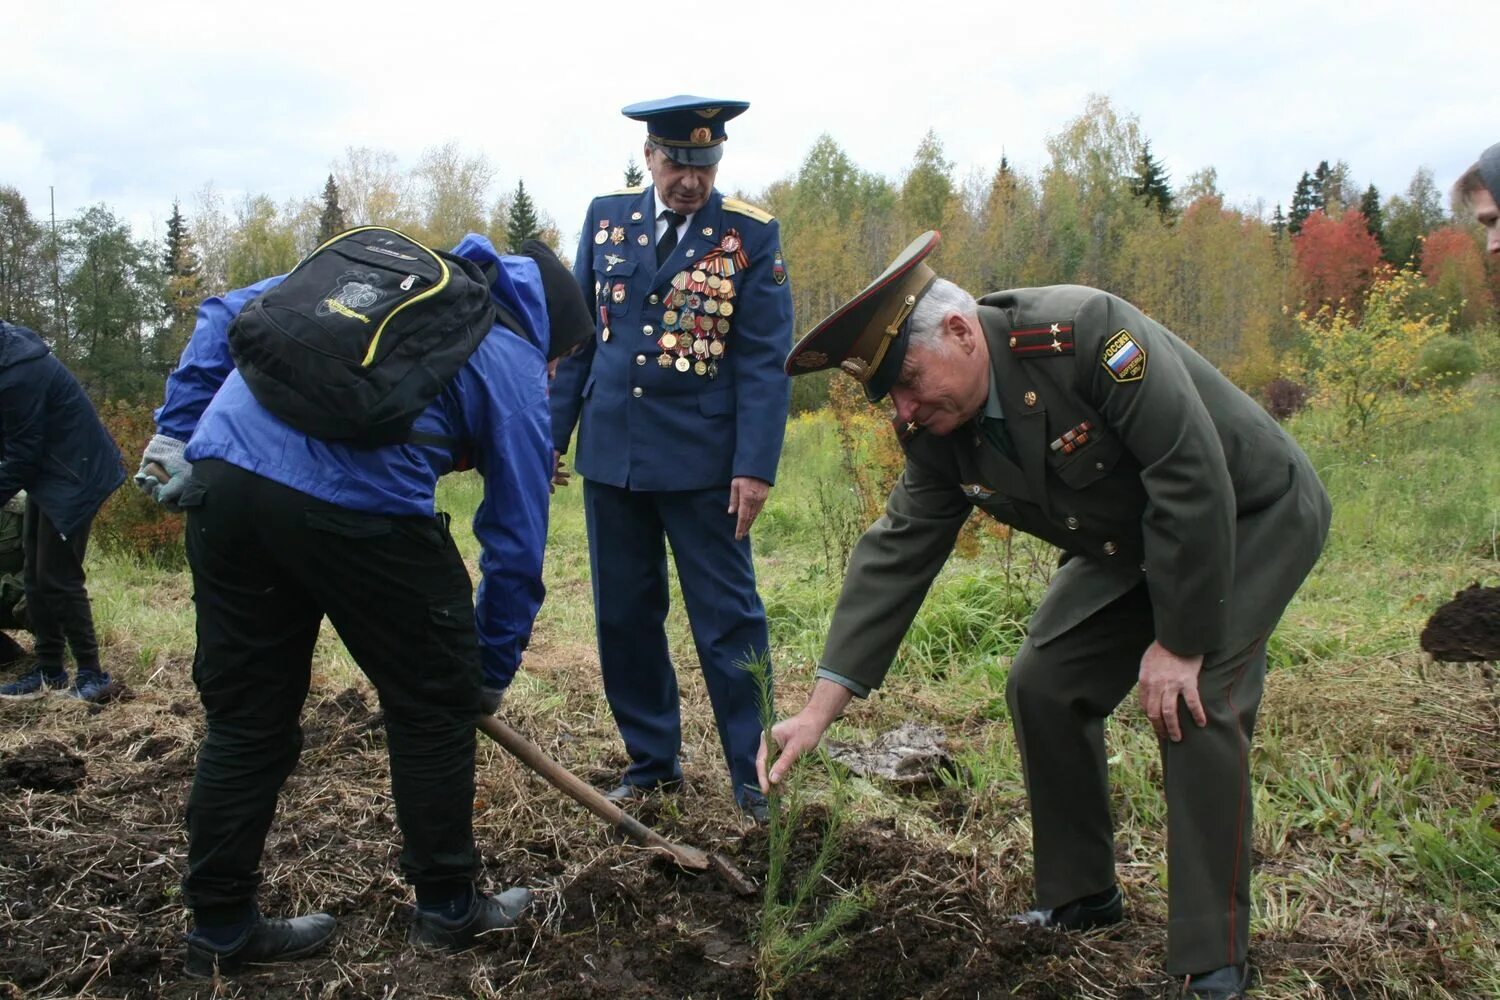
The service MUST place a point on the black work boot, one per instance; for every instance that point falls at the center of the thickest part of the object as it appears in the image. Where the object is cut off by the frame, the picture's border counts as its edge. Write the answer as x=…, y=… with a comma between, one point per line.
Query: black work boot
x=266, y=940
x=1228, y=983
x=1099, y=910
x=486, y=913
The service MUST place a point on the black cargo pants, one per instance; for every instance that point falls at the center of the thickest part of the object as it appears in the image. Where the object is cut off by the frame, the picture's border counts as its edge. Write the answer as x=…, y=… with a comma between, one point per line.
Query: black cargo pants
x=268, y=563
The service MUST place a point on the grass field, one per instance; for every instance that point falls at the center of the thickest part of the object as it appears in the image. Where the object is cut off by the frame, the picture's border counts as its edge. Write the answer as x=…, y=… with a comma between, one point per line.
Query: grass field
x=1377, y=829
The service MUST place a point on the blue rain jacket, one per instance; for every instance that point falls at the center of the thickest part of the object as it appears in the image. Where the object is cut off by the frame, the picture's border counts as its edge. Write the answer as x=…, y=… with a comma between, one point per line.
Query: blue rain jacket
x=496, y=405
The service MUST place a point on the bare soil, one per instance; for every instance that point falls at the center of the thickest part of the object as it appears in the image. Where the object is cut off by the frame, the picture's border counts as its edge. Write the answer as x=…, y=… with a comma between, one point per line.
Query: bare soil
x=92, y=850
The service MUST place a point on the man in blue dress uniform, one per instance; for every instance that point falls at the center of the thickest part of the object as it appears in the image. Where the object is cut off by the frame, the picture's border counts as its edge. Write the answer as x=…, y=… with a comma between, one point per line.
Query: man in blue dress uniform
x=680, y=402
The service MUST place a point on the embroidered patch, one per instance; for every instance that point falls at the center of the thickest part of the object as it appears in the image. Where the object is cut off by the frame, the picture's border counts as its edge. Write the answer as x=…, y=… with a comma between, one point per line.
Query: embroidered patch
x=778, y=268
x=975, y=491
x=1123, y=358
x=1052, y=340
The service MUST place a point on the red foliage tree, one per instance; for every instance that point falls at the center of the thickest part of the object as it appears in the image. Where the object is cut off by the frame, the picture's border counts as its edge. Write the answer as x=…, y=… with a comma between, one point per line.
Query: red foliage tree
x=1453, y=264
x=1336, y=259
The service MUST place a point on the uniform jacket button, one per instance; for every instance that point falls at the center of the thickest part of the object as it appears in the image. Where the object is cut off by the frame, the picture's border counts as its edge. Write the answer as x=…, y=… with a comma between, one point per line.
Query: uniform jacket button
x=640, y=359
x=1110, y=548
x=1071, y=522
x=637, y=391
x=647, y=329
x=654, y=298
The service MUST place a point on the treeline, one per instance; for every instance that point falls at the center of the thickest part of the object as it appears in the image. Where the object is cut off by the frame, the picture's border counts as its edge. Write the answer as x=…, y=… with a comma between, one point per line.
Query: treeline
x=118, y=310
x=1102, y=211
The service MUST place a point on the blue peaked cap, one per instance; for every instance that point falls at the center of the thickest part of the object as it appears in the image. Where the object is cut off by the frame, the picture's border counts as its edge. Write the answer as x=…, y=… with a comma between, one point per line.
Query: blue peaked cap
x=690, y=129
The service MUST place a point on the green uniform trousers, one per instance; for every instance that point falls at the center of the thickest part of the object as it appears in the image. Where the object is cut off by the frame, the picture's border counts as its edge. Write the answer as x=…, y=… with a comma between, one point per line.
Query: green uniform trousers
x=1060, y=694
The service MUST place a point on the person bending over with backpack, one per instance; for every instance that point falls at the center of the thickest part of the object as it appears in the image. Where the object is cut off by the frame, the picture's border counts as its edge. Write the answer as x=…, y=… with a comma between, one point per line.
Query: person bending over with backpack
x=285, y=526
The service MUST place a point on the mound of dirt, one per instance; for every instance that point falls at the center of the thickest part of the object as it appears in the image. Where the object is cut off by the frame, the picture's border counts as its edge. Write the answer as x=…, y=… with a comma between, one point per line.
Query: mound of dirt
x=1467, y=628
x=44, y=766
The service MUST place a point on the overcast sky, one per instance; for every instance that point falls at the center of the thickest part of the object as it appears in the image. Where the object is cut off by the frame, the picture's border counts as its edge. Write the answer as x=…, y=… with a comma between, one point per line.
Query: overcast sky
x=135, y=104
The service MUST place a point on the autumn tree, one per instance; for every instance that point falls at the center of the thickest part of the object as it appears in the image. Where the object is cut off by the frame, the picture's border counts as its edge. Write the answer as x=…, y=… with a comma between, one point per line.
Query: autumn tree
x=522, y=224
x=452, y=192
x=25, y=264
x=928, y=189
x=331, y=221
x=373, y=190
x=1453, y=267
x=263, y=242
x=1410, y=217
x=1335, y=259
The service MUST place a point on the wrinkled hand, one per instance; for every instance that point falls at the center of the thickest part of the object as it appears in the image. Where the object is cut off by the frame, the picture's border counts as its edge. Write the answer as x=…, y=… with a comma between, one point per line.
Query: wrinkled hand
x=747, y=495
x=802, y=732
x=560, y=472
x=1165, y=678
x=164, y=457
x=490, y=699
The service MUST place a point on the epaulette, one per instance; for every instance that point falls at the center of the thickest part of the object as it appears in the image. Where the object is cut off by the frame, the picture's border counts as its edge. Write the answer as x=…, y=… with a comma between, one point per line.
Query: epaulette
x=632, y=190
x=745, y=208
x=1049, y=341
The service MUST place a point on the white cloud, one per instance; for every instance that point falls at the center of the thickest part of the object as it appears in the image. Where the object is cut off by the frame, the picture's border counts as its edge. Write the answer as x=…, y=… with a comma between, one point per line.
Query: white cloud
x=138, y=104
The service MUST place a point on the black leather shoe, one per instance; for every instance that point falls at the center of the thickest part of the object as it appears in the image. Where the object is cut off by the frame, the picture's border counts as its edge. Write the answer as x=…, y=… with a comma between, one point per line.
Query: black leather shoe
x=1228, y=983
x=268, y=940
x=627, y=793
x=1081, y=914
x=488, y=913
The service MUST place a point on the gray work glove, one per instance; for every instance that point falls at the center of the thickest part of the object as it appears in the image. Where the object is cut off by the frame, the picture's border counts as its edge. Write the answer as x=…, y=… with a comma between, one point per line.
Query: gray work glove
x=164, y=455
x=490, y=699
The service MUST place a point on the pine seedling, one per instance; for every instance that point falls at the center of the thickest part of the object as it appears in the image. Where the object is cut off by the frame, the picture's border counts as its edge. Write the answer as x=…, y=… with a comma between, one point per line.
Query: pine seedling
x=786, y=942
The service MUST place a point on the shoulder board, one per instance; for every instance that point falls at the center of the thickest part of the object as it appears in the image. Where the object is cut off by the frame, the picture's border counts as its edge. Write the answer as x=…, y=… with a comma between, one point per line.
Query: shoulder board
x=745, y=208
x=1049, y=340
x=631, y=190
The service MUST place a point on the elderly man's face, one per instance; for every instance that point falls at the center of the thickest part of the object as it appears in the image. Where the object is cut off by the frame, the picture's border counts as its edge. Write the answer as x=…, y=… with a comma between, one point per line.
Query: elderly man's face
x=943, y=386
x=1488, y=215
x=682, y=189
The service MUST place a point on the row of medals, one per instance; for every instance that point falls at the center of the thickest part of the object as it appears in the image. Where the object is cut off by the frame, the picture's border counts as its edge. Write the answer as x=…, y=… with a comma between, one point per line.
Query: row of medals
x=695, y=322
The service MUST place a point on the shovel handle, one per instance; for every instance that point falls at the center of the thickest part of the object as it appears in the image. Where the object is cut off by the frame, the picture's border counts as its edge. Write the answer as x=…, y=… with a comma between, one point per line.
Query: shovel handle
x=585, y=794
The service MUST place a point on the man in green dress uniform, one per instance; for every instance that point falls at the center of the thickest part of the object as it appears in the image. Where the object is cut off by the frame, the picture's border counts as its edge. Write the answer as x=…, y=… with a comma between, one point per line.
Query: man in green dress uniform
x=1187, y=519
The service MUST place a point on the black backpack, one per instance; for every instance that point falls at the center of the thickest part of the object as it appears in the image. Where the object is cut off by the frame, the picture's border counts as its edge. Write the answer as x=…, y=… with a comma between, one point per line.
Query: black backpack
x=362, y=336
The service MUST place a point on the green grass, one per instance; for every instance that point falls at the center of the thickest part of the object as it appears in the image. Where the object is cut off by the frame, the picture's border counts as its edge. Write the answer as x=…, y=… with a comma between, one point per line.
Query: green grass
x=1377, y=828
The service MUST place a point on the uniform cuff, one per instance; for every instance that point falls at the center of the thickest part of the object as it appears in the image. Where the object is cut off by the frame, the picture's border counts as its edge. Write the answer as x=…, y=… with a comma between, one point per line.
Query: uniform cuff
x=859, y=690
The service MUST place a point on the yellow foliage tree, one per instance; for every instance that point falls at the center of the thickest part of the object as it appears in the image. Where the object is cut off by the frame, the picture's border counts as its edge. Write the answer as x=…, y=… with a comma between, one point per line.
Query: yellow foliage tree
x=1365, y=363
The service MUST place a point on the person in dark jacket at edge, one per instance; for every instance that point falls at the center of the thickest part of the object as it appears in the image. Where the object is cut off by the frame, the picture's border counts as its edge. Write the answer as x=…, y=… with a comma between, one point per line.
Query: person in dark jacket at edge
x=283, y=528
x=53, y=446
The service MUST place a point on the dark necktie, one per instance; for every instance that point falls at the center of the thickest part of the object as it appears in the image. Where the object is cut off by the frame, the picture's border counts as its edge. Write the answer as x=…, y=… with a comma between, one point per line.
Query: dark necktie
x=668, y=241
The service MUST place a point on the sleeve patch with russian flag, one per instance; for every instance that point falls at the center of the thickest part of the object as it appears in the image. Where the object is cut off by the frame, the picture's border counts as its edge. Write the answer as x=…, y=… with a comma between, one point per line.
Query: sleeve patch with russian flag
x=1124, y=358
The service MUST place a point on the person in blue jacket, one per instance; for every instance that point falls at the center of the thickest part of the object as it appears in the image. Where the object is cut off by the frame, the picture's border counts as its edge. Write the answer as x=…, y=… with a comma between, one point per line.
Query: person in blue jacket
x=680, y=402
x=53, y=446
x=283, y=529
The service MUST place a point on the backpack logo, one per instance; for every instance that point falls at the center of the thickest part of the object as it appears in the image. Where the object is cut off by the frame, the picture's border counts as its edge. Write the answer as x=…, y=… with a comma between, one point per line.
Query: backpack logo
x=355, y=291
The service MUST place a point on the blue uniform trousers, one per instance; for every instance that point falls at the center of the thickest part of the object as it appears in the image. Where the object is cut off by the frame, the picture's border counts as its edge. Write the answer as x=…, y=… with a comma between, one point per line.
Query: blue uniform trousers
x=628, y=531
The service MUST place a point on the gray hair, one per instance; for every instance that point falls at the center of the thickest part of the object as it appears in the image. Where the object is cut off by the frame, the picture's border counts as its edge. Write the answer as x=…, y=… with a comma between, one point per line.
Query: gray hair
x=926, y=323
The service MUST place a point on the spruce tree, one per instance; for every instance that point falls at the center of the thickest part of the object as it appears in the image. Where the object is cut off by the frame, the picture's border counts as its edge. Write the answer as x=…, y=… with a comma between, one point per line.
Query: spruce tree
x=331, y=222
x=1150, y=183
x=1304, y=202
x=1278, y=222
x=634, y=176
x=182, y=289
x=523, y=224
x=1369, y=207
x=1320, y=181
